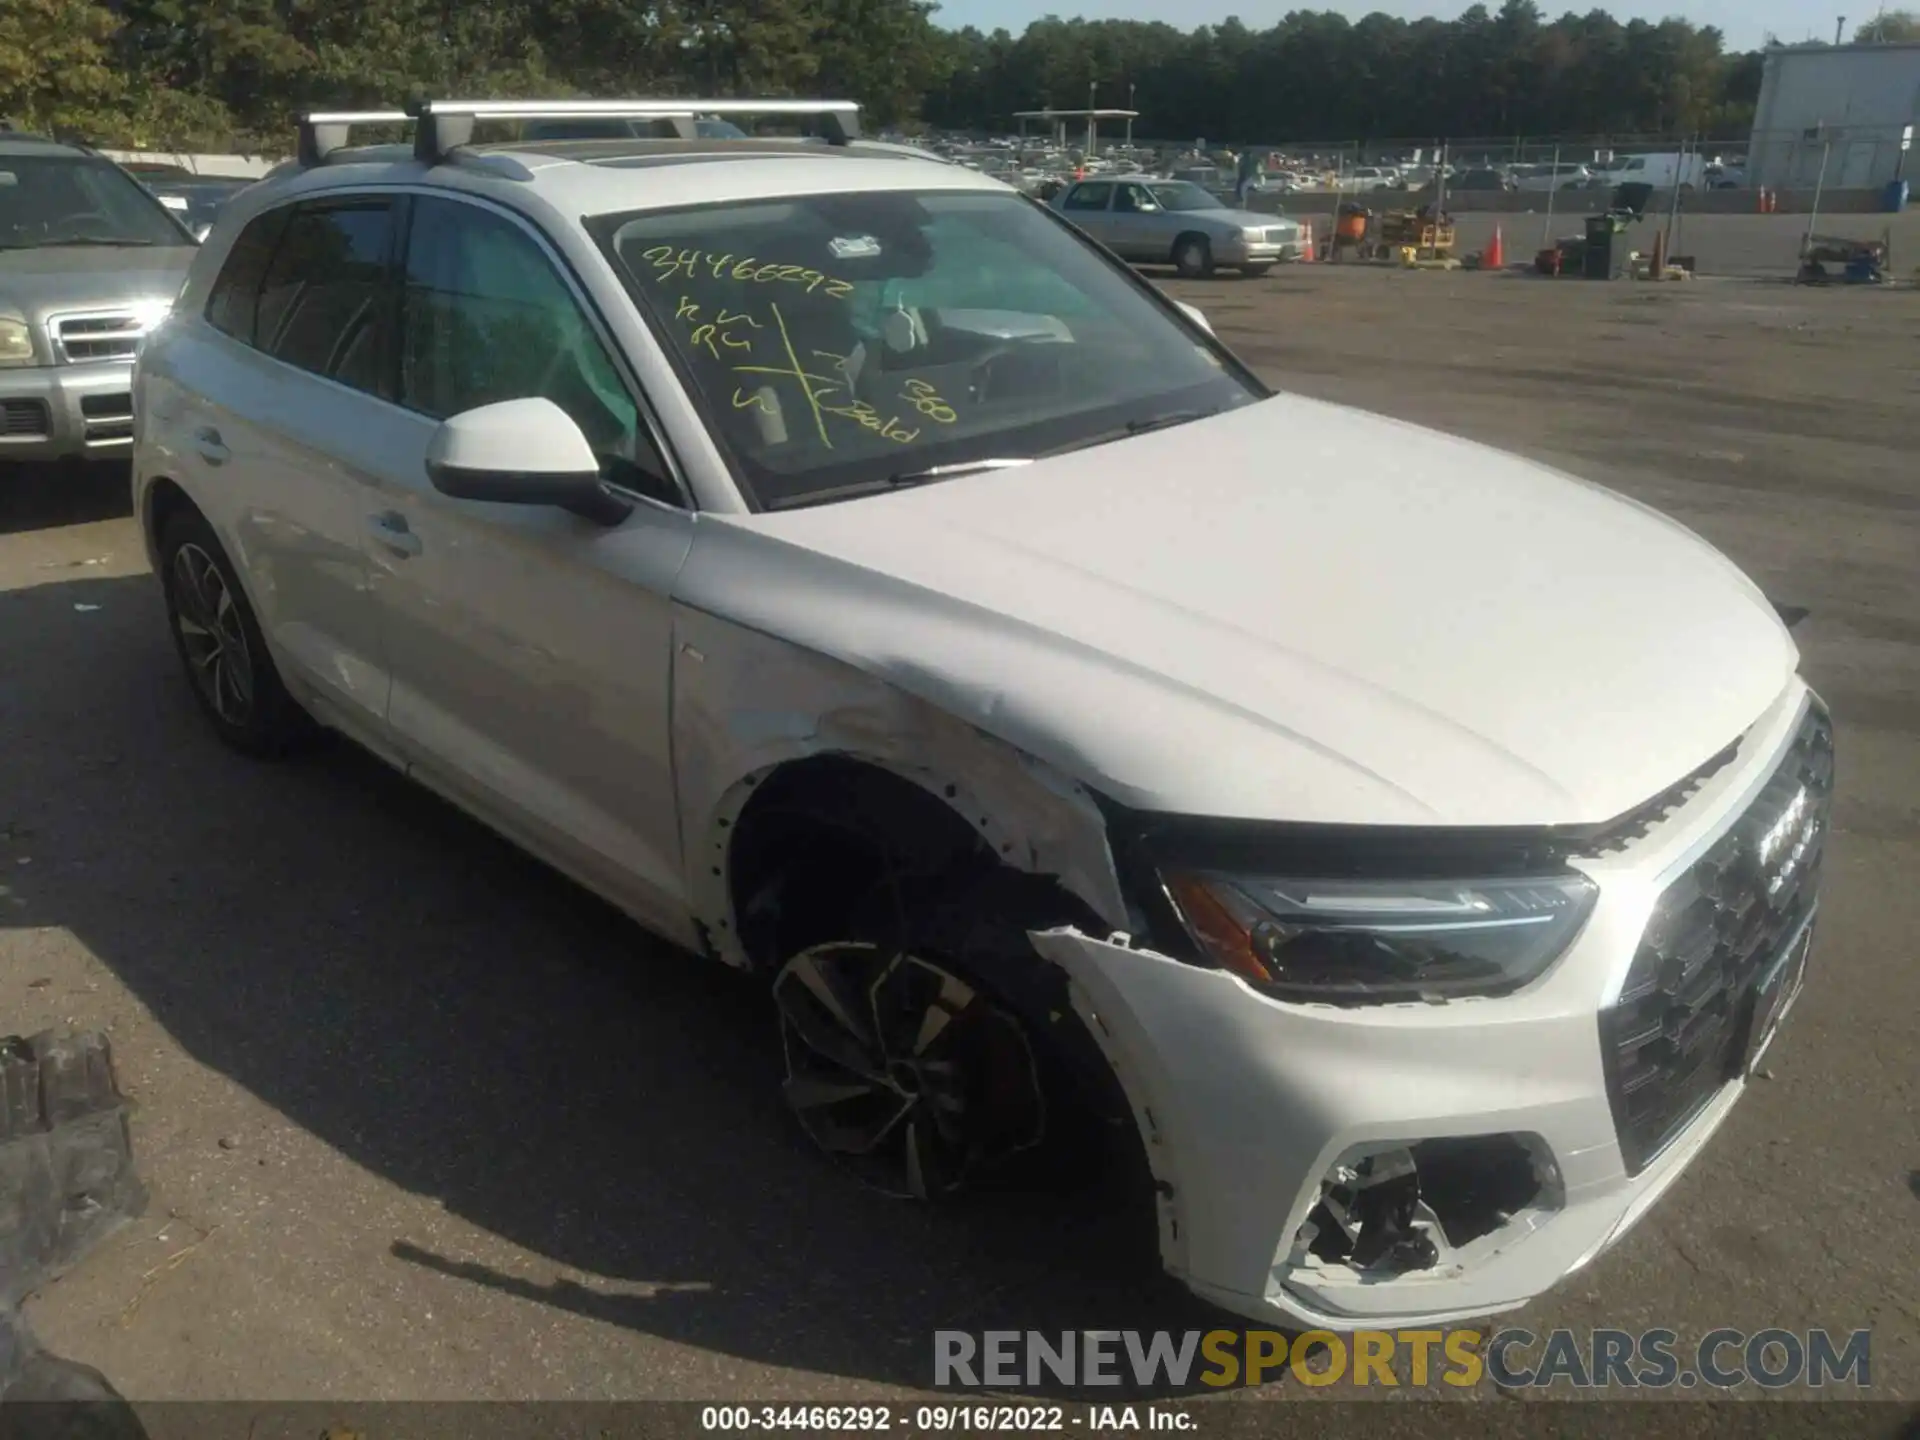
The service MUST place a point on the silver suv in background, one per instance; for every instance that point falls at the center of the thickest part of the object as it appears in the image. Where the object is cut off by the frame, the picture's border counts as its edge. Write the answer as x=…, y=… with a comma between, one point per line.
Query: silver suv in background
x=89, y=261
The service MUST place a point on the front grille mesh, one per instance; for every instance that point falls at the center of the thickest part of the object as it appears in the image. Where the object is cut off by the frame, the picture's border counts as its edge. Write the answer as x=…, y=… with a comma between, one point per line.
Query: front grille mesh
x=78, y=338
x=1679, y=1030
x=23, y=418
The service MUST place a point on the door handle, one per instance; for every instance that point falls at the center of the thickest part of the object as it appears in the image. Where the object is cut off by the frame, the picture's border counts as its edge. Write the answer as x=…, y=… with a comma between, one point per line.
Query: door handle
x=389, y=530
x=209, y=445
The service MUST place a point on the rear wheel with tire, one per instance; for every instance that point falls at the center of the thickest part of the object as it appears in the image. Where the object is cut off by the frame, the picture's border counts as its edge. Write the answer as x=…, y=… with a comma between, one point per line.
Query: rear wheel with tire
x=220, y=644
x=1193, y=257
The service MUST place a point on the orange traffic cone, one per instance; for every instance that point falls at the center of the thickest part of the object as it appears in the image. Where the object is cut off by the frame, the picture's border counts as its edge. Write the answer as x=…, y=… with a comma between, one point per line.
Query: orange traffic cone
x=1309, y=255
x=1495, y=257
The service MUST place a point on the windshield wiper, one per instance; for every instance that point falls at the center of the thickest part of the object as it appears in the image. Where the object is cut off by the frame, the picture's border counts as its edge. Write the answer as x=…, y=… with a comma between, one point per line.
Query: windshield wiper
x=957, y=467
x=902, y=480
x=1132, y=428
x=67, y=240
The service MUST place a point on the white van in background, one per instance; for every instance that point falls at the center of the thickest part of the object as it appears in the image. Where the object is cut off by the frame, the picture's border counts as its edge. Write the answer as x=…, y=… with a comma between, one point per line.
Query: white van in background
x=1663, y=172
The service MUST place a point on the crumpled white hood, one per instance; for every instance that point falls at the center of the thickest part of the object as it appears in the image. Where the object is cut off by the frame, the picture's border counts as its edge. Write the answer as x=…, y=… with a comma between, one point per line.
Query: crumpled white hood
x=1293, y=611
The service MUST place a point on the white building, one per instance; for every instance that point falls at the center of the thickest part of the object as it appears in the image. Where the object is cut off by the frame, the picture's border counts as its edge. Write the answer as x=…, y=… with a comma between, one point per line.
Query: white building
x=1842, y=105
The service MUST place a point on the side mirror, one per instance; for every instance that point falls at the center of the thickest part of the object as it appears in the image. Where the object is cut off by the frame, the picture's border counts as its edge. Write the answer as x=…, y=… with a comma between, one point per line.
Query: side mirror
x=1195, y=314
x=521, y=452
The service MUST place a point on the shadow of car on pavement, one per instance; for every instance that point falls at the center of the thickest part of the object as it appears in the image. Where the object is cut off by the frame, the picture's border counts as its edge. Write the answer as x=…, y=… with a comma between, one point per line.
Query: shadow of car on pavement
x=465, y=1023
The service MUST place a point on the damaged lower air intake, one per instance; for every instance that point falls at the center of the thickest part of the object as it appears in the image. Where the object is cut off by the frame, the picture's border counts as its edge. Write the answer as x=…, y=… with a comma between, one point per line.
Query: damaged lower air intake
x=1389, y=1210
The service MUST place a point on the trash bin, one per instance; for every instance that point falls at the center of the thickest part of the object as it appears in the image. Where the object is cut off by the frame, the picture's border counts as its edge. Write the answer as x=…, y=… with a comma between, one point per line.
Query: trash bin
x=1894, y=198
x=1606, y=249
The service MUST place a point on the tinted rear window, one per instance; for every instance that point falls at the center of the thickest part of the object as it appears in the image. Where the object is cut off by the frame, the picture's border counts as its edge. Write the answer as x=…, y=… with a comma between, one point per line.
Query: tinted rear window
x=235, y=300
x=326, y=295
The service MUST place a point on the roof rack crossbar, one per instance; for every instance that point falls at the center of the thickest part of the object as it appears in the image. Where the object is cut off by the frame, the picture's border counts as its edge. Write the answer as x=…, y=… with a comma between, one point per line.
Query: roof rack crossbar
x=445, y=124
x=442, y=126
x=324, y=131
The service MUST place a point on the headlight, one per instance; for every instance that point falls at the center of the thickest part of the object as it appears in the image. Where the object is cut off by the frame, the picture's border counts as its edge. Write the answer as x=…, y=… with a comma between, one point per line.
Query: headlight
x=16, y=342
x=1374, y=942
x=1254, y=233
x=149, y=313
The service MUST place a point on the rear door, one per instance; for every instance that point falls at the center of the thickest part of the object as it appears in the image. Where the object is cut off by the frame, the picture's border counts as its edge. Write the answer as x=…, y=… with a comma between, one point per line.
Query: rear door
x=530, y=648
x=1086, y=205
x=278, y=424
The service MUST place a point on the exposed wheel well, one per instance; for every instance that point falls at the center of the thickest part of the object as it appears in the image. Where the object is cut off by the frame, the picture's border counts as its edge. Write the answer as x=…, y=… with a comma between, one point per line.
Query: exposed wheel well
x=1186, y=237
x=819, y=834
x=164, y=500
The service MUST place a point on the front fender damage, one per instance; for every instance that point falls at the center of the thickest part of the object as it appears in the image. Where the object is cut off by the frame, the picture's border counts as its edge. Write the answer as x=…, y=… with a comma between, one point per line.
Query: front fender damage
x=728, y=738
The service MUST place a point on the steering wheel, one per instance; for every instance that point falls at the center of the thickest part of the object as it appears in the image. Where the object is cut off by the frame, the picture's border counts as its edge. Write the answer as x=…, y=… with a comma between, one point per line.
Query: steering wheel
x=980, y=382
x=76, y=220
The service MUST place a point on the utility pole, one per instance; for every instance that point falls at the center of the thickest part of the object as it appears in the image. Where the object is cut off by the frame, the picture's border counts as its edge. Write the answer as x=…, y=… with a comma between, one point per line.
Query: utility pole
x=1093, y=89
x=1131, y=87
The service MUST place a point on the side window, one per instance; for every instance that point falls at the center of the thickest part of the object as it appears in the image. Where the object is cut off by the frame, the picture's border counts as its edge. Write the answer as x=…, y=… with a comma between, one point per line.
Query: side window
x=324, y=305
x=236, y=291
x=485, y=317
x=1132, y=198
x=1092, y=195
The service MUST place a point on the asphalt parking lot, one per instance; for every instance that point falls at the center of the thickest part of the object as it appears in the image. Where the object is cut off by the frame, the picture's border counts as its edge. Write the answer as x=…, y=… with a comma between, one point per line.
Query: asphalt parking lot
x=421, y=1120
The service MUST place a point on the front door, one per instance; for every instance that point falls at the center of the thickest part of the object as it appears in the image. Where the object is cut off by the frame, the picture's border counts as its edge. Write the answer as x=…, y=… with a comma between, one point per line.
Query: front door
x=530, y=648
x=1139, y=225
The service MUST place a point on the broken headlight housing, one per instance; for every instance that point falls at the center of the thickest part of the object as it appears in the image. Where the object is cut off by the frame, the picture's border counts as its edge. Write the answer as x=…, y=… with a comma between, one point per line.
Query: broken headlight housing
x=1373, y=942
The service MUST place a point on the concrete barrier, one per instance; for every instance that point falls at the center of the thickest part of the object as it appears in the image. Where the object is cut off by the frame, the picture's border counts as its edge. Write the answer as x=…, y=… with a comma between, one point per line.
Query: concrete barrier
x=241, y=167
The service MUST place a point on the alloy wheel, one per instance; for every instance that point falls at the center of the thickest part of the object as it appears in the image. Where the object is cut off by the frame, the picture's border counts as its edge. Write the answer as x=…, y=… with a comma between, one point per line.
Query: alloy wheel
x=207, y=617
x=902, y=1070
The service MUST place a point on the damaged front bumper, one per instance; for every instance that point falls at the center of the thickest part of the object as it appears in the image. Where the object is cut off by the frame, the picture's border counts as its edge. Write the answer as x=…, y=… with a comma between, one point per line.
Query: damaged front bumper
x=1342, y=1168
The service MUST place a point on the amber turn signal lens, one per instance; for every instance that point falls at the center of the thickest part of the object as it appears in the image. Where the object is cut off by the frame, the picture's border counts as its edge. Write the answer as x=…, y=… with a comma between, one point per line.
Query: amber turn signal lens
x=1230, y=942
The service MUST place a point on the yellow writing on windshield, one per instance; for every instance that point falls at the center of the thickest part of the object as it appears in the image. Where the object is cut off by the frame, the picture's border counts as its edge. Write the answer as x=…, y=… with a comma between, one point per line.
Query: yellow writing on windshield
x=667, y=263
x=763, y=351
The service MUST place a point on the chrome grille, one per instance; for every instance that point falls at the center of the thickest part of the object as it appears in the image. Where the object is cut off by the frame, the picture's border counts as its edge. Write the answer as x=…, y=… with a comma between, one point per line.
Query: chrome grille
x=103, y=335
x=1681, y=1027
x=23, y=418
x=1280, y=237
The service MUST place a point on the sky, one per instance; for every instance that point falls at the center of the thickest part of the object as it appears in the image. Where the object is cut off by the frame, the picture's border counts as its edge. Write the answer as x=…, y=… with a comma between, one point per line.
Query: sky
x=1744, y=22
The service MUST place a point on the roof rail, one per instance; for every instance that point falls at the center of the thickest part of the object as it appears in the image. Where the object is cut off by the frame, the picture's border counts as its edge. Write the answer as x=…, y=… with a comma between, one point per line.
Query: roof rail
x=324, y=131
x=447, y=124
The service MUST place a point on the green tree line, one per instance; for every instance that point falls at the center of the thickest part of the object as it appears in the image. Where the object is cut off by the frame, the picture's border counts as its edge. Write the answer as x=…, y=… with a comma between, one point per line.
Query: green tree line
x=214, y=73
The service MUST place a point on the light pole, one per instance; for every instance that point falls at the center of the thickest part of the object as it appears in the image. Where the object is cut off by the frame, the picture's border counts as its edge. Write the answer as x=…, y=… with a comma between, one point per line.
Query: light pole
x=1130, y=91
x=1093, y=89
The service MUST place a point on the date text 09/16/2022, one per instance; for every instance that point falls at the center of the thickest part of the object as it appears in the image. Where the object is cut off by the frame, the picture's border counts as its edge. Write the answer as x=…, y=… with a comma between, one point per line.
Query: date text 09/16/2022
x=938, y=1419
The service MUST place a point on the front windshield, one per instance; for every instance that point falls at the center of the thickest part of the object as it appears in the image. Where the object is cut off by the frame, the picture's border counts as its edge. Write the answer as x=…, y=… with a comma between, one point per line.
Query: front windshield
x=48, y=200
x=841, y=343
x=1180, y=195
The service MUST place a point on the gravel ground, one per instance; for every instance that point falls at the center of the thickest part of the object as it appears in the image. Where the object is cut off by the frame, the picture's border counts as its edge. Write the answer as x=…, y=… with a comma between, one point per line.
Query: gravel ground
x=423, y=1121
